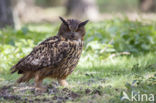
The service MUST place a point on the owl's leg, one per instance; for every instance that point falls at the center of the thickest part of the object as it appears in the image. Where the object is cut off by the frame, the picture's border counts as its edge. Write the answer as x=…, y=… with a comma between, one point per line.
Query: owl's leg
x=38, y=84
x=25, y=78
x=63, y=82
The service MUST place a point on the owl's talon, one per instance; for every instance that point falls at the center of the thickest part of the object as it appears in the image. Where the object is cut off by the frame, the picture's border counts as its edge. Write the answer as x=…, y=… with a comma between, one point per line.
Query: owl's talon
x=40, y=89
x=63, y=83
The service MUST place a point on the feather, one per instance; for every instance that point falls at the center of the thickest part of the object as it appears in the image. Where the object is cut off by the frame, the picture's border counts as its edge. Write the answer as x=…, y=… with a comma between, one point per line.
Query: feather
x=55, y=57
x=48, y=53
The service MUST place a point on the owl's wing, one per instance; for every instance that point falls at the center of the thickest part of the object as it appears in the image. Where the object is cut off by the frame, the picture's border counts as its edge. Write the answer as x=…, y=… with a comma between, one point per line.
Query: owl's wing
x=49, y=53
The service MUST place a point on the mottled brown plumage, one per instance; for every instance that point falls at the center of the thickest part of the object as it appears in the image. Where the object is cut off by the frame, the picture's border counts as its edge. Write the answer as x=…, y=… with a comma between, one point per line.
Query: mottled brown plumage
x=56, y=57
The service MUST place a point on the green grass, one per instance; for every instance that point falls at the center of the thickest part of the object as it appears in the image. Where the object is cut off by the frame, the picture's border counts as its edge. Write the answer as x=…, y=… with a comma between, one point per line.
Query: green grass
x=111, y=75
x=104, y=75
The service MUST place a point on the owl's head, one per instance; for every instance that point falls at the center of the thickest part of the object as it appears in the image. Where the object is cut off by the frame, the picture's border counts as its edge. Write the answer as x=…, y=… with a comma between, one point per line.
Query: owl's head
x=72, y=29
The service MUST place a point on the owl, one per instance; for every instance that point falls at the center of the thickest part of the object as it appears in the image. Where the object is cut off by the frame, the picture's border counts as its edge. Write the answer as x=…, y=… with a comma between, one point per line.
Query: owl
x=56, y=57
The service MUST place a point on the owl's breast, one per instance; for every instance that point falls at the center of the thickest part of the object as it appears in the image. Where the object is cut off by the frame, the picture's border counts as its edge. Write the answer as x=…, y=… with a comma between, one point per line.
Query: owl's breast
x=73, y=55
x=75, y=49
x=70, y=60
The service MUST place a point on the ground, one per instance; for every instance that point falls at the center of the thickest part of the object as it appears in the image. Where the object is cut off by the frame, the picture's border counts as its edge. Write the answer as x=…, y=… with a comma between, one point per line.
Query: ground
x=106, y=71
x=100, y=82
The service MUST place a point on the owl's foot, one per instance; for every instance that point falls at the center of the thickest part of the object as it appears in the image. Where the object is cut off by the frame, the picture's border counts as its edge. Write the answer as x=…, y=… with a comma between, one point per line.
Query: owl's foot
x=63, y=83
x=40, y=89
x=38, y=85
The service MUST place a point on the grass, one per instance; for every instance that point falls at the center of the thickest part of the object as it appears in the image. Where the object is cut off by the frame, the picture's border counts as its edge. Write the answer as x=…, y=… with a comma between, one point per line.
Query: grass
x=99, y=77
x=109, y=76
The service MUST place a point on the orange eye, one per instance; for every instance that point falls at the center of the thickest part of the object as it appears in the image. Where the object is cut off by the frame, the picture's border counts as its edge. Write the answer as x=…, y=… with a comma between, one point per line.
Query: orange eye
x=79, y=29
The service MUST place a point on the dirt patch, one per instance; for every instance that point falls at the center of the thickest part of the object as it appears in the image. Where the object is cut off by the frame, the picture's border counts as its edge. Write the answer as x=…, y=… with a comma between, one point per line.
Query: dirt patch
x=54, y=93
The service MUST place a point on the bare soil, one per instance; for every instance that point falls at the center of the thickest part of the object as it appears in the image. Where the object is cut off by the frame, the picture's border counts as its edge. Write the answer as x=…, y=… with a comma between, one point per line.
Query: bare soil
x=55, y=93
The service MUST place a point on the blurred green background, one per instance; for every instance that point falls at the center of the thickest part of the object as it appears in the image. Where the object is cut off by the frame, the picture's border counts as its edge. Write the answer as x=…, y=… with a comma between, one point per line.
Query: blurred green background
x=120, y=43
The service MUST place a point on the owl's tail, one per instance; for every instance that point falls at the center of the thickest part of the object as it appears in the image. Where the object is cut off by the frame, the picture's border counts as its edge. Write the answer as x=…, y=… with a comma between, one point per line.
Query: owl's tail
x=13, y=69
x=17, y=66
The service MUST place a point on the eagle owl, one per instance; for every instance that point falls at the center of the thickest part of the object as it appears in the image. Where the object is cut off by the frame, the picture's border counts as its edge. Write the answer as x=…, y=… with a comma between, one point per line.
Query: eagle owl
x=55, y=57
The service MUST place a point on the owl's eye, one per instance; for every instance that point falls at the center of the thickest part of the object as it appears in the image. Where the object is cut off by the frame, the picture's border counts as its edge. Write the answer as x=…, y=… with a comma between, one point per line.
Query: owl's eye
x=78, y=29
x=66, y=28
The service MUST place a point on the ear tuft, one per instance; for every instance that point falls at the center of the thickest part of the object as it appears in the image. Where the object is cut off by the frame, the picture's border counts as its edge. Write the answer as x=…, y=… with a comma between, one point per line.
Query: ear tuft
x=83, y=23
x=64, y=21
